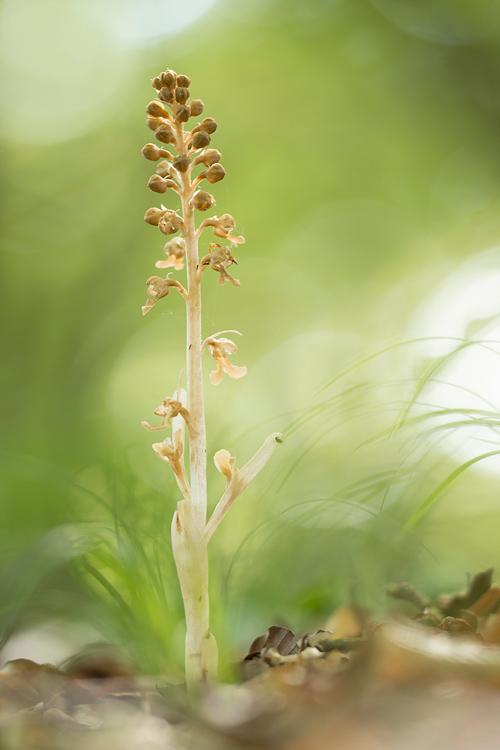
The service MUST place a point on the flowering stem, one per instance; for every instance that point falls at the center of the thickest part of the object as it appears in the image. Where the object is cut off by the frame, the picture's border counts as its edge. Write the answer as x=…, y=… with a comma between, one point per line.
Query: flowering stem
x=191, y=559
x=190, y=532
x=197, y=440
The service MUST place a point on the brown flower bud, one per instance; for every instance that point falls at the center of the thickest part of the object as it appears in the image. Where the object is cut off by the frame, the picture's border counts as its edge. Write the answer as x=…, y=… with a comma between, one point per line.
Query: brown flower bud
x=165, y=133
x=223, y=228
x=226, y=223
x=181, y=95
x=200, y=140
x=155, y=109
x=151, y=152
x=215, y=173
x=208, y=125
x=208, y=157
x=183, y=81
x=168, y=78
x=154, y=122
x=220, y=258
x=157, y=289
x=170, y=223
x=157, y=184
x=183, y=113
x=164, y=169
x=202, y=200
x=156, y=83
x=166, y=95
x=181, y=163
x=196, y=107
x=153, y=216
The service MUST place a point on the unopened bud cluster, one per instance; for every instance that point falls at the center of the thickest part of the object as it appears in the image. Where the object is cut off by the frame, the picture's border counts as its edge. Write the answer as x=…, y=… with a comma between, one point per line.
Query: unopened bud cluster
x=179, y=153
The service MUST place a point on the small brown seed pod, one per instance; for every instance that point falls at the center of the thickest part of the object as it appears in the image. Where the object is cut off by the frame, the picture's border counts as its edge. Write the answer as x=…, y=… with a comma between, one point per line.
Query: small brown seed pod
x=156, y=83
x=196, y=107
x=151, y=152
x=215, y=173
x=181, y=95
x=155, y=109
x=181, y=163
x=165, y=134
x=183, y=81
x=208, y=125
x=154, y=122
x=200, y=140
x=153, y=216
x=208, y=157
x=165, y=95
x=183, y=113
x=202, y=200
x=168, y=78
x=170, y=223
x=164, y=169
x=157, y=184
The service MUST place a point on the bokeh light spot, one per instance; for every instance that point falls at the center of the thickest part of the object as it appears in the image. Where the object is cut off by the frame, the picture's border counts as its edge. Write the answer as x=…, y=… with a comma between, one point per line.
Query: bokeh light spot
x=466, y=306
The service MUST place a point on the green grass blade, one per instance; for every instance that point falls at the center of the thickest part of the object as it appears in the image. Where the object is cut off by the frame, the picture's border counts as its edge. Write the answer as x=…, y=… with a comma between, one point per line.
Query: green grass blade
x=430, y=500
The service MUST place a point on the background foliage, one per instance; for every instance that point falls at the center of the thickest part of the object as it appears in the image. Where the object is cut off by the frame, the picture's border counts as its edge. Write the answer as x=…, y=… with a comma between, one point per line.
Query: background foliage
x=361, y=145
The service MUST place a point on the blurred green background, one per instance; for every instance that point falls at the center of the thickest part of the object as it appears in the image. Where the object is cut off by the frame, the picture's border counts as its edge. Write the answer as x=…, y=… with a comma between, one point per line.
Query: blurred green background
x=361, y=146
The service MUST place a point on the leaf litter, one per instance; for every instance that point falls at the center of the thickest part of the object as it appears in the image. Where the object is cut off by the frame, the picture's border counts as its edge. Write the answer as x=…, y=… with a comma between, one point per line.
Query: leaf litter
x=426, y=676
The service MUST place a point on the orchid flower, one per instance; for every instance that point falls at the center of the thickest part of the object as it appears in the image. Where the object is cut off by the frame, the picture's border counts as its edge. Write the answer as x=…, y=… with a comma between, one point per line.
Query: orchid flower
x=220, y=349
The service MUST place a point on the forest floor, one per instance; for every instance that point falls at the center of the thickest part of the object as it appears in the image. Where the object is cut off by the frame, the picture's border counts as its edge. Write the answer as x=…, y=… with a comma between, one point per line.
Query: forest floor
x=426, y=678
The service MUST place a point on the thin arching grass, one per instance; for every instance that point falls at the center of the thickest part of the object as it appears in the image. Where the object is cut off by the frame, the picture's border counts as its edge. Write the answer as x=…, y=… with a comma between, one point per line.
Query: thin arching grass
x=435, y=367
x=367, y=487
x=457, y=418
x=304, y=452
x=351, y=403
x=125, y=568
x=358, y=362
x=477, y=418
x=431, y=499
x=120, y=566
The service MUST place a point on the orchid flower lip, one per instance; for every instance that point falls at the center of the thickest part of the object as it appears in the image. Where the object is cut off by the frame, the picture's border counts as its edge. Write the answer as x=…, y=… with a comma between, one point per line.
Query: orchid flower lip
x=219, y=350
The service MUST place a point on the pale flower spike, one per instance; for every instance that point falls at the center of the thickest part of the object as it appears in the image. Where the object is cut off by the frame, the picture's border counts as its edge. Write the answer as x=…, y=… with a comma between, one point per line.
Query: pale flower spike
x=186, y=161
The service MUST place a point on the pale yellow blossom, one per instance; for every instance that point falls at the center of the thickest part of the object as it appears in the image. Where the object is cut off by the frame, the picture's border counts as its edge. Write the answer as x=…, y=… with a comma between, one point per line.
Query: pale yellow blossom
x=169, y=409
x=219, y=259
x=158, y=288
x=172, y=451
x=220, y=349
x=225, y=463
x=175, y=250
